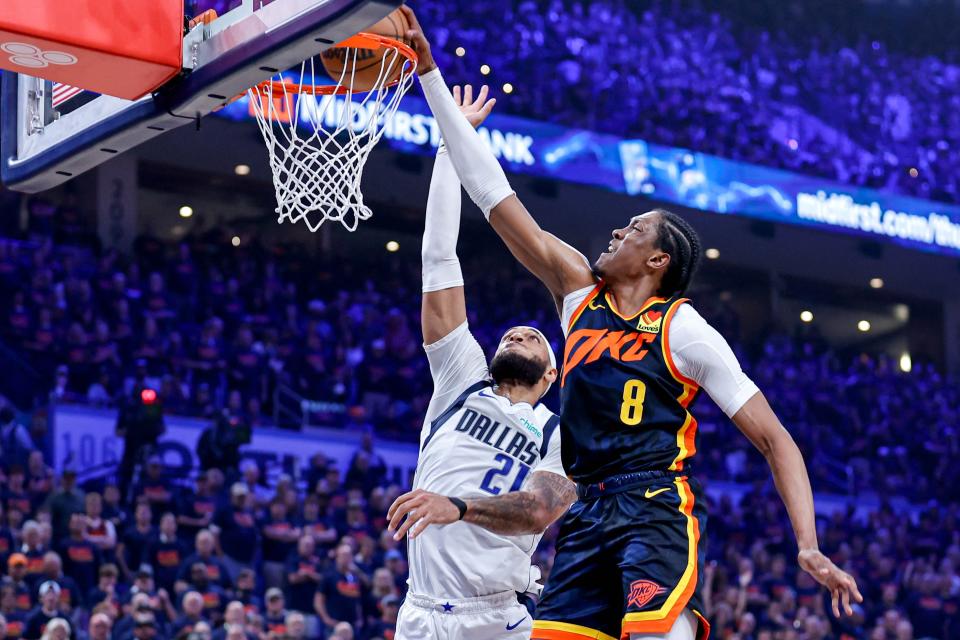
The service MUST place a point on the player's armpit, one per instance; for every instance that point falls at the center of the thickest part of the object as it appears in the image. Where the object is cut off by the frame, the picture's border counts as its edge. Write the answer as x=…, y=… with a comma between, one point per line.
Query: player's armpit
x=559, y=266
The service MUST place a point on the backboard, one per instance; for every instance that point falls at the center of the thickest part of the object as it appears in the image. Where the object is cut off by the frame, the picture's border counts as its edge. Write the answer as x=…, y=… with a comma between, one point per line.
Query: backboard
x=50, y=132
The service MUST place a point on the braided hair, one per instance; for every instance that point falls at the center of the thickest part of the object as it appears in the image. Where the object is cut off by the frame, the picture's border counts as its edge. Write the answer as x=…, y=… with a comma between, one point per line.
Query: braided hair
x=677, y=239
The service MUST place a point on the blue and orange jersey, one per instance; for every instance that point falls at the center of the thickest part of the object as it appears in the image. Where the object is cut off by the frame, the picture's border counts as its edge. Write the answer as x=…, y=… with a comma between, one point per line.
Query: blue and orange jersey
x=624, y=404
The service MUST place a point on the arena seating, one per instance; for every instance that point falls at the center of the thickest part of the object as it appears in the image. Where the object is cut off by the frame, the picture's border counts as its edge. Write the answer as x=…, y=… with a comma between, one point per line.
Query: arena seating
x=210, y=341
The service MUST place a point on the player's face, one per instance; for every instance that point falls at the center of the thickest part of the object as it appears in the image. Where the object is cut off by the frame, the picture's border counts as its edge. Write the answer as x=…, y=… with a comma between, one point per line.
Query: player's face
x=521, y=357
x=521, y=340
x=630, y=248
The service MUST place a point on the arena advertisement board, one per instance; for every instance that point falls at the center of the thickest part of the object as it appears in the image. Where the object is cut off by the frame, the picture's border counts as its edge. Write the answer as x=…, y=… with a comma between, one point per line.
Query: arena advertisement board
x=674, y=175
x=713, y=184
x=84, y=438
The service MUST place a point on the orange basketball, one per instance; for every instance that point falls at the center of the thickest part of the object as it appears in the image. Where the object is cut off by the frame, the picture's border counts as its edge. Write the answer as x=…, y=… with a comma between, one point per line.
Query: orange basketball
x=366, y=65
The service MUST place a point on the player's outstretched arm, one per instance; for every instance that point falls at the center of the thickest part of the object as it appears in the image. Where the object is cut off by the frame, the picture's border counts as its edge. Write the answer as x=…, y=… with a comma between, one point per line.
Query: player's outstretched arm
x=760, y=424
x=559, y=266
x=546, y=497
x=443, y=308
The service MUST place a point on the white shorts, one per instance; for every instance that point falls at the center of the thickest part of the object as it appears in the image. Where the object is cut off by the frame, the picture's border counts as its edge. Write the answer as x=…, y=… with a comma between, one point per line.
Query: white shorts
x=496, y=617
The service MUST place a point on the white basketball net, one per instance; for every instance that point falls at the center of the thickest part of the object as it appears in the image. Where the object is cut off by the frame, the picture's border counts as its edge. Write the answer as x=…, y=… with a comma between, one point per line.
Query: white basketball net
x=318, y=144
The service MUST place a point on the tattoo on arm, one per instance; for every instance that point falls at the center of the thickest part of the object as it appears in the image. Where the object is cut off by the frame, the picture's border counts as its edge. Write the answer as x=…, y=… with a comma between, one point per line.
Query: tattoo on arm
x=531, y=511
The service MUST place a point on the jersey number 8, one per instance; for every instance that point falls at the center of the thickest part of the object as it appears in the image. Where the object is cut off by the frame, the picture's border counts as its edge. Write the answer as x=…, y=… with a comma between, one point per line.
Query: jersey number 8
x=631, y=411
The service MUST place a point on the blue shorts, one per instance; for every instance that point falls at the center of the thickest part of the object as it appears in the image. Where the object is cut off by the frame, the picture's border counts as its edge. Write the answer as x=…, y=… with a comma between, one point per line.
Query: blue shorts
x=629, y=559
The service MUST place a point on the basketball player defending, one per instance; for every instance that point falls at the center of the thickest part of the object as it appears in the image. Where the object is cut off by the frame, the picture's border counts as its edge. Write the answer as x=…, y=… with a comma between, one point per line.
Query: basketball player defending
x=486, y=443
x=628, y=561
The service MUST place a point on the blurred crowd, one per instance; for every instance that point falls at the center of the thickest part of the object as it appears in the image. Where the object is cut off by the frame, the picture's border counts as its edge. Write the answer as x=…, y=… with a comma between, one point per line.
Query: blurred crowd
x=250, y=560
x=863, y=93
x=798, y=92
x=217, y=330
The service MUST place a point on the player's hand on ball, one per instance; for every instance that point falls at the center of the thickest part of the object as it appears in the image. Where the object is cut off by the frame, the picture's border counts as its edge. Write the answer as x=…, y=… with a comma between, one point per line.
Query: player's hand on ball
x=421, y=508
x=418, y=40
x=477, y=110
x=841, y=584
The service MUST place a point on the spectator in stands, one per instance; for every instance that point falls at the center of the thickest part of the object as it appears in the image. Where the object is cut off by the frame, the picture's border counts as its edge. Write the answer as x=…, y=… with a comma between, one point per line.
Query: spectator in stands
x=303, y=578
x=397, y=565
x=259, y=492
x=342, y=631
x=202, y=631
x=214, y=597
x=11, y=609
x=316, y=524
x=193, y=613
x=214, y=568
x=275, y=617
x=135, y=540
x=154, y=487
x=69, y=594
x=57, y=629
x=145, y=627
x=97, y=530
x=233, y=616
x=386, y=625
x=81, y=557
x=17, y=579
x=15, y=495
x=158, y=599
x=65, y=502
x=340, y=595
x=279, y=537
x=197, y=507
x=106, y=589
x=246, y=590
x=100, y=627
x=296, y=626
x=239, y=536
x=50, y=608
x=165, y=554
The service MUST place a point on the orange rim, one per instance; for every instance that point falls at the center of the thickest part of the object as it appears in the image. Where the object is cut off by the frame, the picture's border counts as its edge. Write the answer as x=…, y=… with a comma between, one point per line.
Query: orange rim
x=359, y=41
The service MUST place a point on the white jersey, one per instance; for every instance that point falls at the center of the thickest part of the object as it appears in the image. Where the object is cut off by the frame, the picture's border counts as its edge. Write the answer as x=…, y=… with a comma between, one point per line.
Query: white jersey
x=476, y=444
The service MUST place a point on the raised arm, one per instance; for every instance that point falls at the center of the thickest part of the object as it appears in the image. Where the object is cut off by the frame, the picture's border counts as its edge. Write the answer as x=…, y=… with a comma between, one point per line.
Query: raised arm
x=703, y=356
x=558, y=265
x=443, y=308
x=546, y=497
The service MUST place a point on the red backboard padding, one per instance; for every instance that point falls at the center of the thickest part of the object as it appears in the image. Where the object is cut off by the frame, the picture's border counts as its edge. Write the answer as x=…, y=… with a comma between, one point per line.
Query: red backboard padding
x=122, y=48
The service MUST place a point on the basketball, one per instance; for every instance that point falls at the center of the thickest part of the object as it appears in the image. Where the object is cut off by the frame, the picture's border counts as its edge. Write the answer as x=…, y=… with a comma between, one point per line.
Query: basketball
x=366, y=66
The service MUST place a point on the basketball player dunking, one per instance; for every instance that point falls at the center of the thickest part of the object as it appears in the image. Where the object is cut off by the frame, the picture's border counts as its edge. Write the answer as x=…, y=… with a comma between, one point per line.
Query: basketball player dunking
x=486, y=443
x=629, y=563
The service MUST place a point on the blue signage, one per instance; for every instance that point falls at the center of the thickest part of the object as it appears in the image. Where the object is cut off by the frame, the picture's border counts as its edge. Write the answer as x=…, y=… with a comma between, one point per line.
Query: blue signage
x=670, y=174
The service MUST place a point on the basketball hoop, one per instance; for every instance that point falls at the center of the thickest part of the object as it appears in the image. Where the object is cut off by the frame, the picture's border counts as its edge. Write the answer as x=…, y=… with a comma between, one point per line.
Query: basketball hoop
x=318, y=138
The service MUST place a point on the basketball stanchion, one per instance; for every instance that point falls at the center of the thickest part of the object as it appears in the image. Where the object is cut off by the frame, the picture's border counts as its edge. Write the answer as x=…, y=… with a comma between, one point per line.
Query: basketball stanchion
x=319, y=137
